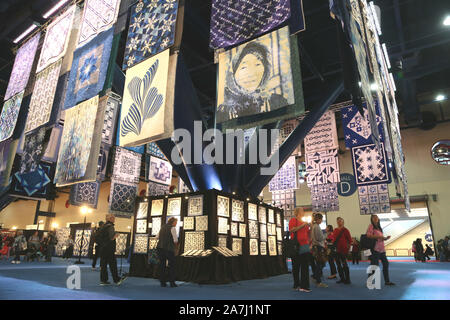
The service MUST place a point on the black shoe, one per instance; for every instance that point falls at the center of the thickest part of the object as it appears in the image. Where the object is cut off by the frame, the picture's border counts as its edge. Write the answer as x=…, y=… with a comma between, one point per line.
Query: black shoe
x=163, y=284
x=340, y=281
x=389, y=284
x=106, y=283
x=347, y=282
x=173, y=285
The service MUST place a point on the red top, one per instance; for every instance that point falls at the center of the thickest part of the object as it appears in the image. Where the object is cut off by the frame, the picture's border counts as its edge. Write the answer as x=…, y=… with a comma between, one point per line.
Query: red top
x=302, y=234
x=343, y=244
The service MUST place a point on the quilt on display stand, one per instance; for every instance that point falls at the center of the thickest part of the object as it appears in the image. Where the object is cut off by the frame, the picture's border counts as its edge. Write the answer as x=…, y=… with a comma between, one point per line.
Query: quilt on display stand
x=195, y=205
x=254, y=89
x=287, y=176
x=370, y=165
x=82, y=241
x=9, y=116
x=121, y=244
x=127, y=165
x=98, y=16
x=223, y=206
x=62, y=235
x=324, y=197
x=23, y=64
x=56, y=39
x=222, y=225
x=174, y=206
x=35, y=143
x=252, y=211
x=160, y=171
x=156, y=225
x=152, y=30
x=253, y=229
x=42, y=98
x=157, y=207
x=374, y=199
x=253, y=246
x=122, y=198
x=142, y=210
x=236, y=245
x=80, y=144
x=201, y=223
x=323, y=136
x=85, y=194
x=237, y=210
x=188, y=223
x=141, y=226
x=140, y=243
x=322, y=167
x=194, y=241
x=236, y=21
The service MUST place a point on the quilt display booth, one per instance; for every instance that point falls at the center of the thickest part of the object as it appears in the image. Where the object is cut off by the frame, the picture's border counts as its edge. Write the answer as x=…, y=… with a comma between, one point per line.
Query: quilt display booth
x=222, y=237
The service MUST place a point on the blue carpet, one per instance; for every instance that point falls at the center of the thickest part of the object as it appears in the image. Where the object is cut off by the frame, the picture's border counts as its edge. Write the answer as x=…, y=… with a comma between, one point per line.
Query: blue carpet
x=40, y=280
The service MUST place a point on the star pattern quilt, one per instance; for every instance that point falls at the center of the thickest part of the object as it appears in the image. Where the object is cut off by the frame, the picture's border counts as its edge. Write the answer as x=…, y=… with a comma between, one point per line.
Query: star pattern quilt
x=374, y=199
x=370, y=165
x=324, y=197
x=85, y=194
x=127, y=165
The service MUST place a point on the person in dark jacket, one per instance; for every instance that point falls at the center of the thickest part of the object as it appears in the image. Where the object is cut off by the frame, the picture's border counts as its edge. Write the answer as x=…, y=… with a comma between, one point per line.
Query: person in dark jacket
x=167, y=242
x=51, y=242
x=356, y=255
x=420, y=250
x=428, y=252
x=97, y=245
x=107, y=237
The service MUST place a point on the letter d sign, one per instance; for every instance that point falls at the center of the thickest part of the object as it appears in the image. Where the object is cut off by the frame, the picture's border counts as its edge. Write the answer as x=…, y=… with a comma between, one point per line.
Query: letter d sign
x=374, y=279
x=74, y=280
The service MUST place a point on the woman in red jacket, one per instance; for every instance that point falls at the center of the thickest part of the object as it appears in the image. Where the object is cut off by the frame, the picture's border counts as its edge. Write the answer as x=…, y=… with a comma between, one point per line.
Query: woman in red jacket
x=343, y=240
x=301, y=229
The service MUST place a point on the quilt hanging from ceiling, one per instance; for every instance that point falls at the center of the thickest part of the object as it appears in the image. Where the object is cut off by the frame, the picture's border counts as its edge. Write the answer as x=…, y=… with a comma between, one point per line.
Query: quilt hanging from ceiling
x=182, y=187
x=80, y=144
x=22, y=67
x=36, y=183
x=7, y=153
x=52, y=150
x=357, y=130
x=102, y=161
x=127, y=165
x=156, y=189
x=35, y=143
x=370, y=165
x=152, y=30
x=42, y=99
x=323, y=136
x=89, y=69
x=153, y=149
x=324, y=197
x=322, y=167
x=109, y=126
x=122, y=198
x=236, y=21
x=374, y=199
x=286, y=178
x=85, y=194
x=9, y=116
x=160, y=171
x=258, y=82
x=143, y=111
x=98, y=16
x=56, y=39
x=285, y=200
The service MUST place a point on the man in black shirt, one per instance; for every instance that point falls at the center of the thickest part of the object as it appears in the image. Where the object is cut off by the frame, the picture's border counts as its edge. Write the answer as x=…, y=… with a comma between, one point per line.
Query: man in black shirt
x=107, y=243
x=97, y=239
x=167, y=241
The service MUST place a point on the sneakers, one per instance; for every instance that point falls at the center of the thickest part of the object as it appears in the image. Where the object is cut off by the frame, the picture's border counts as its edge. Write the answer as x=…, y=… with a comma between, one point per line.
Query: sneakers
x=14, y=261
x=332, y=277
x=304, y=290
x=121, y=281
x=322, y=285
x=106, y=283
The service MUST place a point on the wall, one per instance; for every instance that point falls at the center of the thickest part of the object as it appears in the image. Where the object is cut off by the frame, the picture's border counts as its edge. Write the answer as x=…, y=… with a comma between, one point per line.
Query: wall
x=425, y=177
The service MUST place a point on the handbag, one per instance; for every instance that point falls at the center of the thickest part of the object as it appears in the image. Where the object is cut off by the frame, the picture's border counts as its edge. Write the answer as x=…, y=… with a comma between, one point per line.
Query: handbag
x=290, y=246
x=366, y=242
x=153, y=257
x=319, y=254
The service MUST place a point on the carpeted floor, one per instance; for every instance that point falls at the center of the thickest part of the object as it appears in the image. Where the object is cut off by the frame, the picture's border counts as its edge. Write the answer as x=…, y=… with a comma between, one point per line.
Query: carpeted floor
x=40, y=280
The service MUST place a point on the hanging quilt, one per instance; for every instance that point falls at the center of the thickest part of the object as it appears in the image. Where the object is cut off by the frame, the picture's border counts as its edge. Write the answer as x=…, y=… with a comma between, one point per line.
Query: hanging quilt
x=41, y=104
x=286, y=129
x=140, y=243
x=322, y=167
x=56, y=39
x=89, y=69
x=98, y=16
x=222, y=225
x=82, y=239
x=121, y=244
x=263, y=247
x=122, y=198
x=194, y=241
x=286, y=177
x=109, y=125
x=323, y=136
x=324, y=197
x=236, y=245
x=237, y=210
x=153, y=149
x=152, y=30
x=174, y=207
x=222, y=241
x=157, y=207
x=285, y=200
x=62, y=236
x=156, y=189
x=141, y=226
x=195, y=206
x=156, y=225
x=85, y=194
x=9, y=115
x=357, y=130
x=188, y=223
x=236, y=21
x=22, y=67
x=262, y=215
x=253, y=246
x=7, y=153
x=34, y=144
x=160, y=171
x=142, y=210
x=263, y=232
x=272, y=244
x=102, y=162
x=52, y=150
x=370, y=165
x=253, y=229
x=252, y=211
x=258, y=82
x=127, y=165
x=201, y=223
x=143, y=113
x=36, y=184
x=80, y=144
x=223, y=206
x=374, y=199
x=182, y=187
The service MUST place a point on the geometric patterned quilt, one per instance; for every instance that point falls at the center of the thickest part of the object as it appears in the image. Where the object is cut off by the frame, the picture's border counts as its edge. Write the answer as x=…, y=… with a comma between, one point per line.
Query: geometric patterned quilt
x=370, y=165
x=323, y=136
x=322, y=167
x=122, y=198
x=374, y=199
x=9, y=116
x=85, y=194
x=324, y=197
x=286, y=177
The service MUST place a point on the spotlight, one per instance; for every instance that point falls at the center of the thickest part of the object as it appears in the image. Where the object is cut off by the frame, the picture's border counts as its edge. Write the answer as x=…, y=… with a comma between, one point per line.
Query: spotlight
x=26, y=32
x=440, y=97
x=373, y=86
x=446, y=21
x=54, y=9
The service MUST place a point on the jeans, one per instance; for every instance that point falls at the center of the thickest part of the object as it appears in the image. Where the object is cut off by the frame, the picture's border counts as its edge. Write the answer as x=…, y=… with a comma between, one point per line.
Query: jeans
x=107, y=258
x=374, y=259
x=331, y=258
x=169, y=256
x=300, y=263
x=342, y=266
x=318, y=266
x=355, y=257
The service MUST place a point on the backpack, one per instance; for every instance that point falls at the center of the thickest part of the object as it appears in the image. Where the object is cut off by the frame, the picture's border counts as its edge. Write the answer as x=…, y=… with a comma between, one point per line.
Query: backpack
x=101, y=236
x=366, y=242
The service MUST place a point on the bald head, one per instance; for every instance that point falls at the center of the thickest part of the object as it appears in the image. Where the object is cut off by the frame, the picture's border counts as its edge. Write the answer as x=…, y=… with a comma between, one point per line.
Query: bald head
x=110, y=217
x=299, y=212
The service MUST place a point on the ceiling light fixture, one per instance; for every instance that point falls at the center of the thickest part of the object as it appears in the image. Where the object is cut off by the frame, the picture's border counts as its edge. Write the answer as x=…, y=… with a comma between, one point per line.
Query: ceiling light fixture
x=25, y=33
x=374, y=87
x=446, y=21
x=440, y=97
x=54, y=9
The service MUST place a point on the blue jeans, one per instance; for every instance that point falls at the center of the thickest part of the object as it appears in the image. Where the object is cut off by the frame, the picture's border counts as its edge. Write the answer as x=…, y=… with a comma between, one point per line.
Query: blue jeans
x=374, y=260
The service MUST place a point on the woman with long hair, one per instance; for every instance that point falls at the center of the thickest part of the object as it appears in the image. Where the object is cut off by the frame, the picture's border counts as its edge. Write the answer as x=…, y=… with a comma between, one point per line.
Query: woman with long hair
x=374, y=231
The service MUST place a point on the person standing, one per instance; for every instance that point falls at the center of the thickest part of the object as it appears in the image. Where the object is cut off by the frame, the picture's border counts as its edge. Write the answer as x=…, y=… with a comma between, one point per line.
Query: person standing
x=167, y=242
x=331, y=248
x=428, y=252
x=318, y=249
x=20, y=245
x=342, y=242
x=413, y=249
x=35, y=241
x=420, y=250
x=97, y=244
x=356, y=255
x=51, y=242
x=68, y=253
x=300, y=230
x=108, y=237
x=374, y=231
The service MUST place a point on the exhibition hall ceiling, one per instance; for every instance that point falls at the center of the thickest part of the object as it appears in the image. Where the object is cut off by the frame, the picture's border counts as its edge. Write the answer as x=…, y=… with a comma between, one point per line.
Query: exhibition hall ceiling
x=417, y=41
